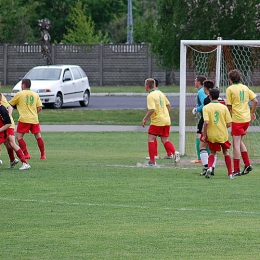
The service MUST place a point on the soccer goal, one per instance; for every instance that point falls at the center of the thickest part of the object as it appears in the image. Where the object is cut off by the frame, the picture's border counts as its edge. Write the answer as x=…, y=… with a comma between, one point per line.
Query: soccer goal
x=214, y=59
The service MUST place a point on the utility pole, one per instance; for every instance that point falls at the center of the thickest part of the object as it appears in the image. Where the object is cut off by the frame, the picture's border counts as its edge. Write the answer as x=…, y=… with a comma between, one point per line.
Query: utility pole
x=130, y=39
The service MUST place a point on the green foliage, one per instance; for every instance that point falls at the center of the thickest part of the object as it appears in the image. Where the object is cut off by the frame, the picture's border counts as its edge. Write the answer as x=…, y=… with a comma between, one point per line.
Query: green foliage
x=202, y=19
x=82, y=29
x=89, y=200
x=17, y=20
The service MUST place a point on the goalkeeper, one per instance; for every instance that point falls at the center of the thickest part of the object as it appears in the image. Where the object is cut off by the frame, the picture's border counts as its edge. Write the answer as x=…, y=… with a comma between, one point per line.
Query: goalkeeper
x=200, y=103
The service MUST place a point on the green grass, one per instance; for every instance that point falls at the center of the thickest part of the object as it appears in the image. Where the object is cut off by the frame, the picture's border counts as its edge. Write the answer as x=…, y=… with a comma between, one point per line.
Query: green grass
x=88, y=200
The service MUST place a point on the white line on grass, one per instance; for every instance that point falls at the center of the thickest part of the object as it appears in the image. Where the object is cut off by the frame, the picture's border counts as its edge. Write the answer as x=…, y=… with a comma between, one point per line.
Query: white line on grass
x=237, y=212
x=145, y=165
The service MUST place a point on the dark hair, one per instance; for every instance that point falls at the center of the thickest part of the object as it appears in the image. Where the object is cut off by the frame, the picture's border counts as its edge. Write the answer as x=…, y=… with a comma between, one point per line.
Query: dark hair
x=26, y=82
x=201, y=79
x=235, y=76
x=208, y=84
x=156, y=82
x=214, y=93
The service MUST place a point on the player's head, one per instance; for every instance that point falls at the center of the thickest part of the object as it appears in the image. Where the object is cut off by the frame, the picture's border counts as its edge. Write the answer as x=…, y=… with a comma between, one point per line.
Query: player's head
x=214, y=93
x=208, y=84
x=149, y=84
x=156, y=83
x=26, y=83
x=235, y=76
x=199, y=81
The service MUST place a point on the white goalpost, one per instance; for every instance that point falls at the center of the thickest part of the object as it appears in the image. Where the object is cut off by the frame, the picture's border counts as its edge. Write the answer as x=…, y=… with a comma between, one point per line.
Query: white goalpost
x=214, y=59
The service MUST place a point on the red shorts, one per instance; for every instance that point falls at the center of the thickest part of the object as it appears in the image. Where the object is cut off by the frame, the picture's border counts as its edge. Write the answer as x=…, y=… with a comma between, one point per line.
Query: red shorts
x=3, y=136
x=216, y=147
x=239, y=128
x=10, y=131
x=25, y=128
x=159, y=130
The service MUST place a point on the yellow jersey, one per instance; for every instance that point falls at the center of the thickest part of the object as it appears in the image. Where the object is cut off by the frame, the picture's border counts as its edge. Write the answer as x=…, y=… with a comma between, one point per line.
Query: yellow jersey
x=238, y=96
x=157, y=101
x=218, y=117
x=27, y=102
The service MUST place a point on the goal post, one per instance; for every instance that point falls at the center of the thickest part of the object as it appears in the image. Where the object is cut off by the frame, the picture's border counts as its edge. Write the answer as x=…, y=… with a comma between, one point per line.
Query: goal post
x=213, y=59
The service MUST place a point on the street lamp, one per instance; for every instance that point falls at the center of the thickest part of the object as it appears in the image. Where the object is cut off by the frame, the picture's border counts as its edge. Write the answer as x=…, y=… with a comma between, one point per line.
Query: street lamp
x=130, y=39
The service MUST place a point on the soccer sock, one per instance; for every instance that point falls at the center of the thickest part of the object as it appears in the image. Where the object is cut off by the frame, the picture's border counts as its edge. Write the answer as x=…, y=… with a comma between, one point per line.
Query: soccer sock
x=156, y=147
x=169, y=147
x=215, y=160
x=10, y=152
x=151, y=150
x=41, y=145
x=236, y=165
x=21, y=155
x=204, y=157
x=228, y=162
x=211, y=160
x=198, y=148
x=245, y=158
x=22, y=145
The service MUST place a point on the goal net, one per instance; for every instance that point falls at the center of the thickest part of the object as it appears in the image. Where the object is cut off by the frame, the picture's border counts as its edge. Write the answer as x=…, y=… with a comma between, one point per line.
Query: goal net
x=214, y=59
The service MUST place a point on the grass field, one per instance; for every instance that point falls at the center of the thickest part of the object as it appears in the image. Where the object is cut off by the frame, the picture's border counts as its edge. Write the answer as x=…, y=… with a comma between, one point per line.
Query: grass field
x=89, y=200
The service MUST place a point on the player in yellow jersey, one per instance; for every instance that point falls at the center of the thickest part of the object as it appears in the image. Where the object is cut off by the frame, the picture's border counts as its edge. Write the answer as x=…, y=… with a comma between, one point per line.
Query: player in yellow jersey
x=160, y=121
x=10, y=143
x=28, y=104
x=216, y=121
x=237, y=99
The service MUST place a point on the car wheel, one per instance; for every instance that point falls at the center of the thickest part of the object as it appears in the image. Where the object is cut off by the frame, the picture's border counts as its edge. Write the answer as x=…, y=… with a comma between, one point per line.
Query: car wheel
x=58, y=101
x=85, y=101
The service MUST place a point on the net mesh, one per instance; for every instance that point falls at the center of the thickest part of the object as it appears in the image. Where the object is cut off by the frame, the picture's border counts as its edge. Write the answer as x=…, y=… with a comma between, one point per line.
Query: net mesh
x=201, y=60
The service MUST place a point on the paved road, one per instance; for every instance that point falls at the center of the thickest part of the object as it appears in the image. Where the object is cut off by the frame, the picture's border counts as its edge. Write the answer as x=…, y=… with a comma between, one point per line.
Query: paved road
x=121, y=101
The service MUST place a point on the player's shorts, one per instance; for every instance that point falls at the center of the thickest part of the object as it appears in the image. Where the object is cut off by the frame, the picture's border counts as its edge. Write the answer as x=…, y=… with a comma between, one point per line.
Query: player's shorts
x=200, y=125
x=26, y=127
x=3, y=136
x=159, y=130
x=239, y=128
x=216, y=147
x=10, y=131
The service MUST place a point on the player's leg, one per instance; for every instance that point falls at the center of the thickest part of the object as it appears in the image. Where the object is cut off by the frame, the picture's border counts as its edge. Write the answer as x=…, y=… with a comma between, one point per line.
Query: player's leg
x=151, y=149
x=204, y=156
x=228, y=163
x=23, y=128
x=35, y=129
x=245, y=157
x=236, y=154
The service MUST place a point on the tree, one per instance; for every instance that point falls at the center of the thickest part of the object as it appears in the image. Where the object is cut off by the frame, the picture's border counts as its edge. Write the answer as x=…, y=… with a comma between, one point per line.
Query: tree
x=200, y=19
x=82, y=29
x=16, y=19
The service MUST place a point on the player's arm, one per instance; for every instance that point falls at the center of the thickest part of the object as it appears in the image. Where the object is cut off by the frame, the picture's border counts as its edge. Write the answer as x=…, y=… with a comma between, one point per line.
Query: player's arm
x=147, y=116
x=253, y=109
x=4, y=127
x=39, y=109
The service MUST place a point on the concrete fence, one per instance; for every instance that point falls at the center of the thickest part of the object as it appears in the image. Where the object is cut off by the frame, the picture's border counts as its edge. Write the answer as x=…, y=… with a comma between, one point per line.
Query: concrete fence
x=105, y=64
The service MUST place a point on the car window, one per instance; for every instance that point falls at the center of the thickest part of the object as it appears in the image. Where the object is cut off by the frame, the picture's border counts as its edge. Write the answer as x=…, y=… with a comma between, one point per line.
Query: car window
x=44, y=74
x=76, y=73
x=67, y=74
x=82, y=72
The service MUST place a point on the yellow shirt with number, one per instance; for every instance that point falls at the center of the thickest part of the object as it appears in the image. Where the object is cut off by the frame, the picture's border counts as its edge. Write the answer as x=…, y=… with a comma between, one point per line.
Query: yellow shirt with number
x=6, y=104
x=238, y=96
x=27, y=102
x=218, y=117
x=157, y=101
